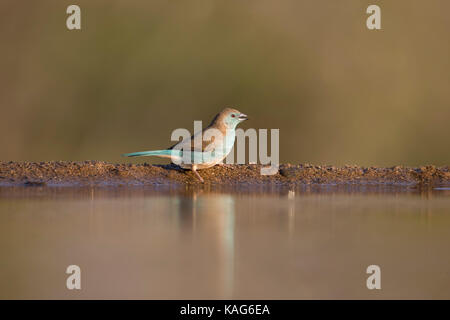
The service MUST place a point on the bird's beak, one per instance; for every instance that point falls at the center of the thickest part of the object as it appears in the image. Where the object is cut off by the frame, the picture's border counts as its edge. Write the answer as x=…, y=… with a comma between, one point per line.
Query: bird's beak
x=243, y=117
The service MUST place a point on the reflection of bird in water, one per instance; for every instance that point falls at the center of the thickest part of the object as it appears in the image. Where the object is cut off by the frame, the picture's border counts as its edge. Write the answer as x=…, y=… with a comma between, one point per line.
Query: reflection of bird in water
x=291, y=216
x=206, y=148
x=209, y=219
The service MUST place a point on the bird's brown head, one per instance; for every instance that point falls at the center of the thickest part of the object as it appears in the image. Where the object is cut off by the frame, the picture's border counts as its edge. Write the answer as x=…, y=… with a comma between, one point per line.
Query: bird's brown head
x=229, y=118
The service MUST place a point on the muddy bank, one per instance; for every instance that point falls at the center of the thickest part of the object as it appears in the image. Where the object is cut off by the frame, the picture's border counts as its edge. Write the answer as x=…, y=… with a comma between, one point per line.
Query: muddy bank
x=61, y=173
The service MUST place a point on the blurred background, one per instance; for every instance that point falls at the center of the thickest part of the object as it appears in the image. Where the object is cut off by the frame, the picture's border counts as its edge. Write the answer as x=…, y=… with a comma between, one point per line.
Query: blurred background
x=338, y=92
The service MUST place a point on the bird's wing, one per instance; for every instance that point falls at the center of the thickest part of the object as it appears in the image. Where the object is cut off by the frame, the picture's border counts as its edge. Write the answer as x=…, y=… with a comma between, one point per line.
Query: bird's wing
x=194, y=145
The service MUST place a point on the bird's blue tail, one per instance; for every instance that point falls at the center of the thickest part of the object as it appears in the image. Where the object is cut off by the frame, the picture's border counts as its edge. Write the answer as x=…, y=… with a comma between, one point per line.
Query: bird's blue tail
x=157, y=153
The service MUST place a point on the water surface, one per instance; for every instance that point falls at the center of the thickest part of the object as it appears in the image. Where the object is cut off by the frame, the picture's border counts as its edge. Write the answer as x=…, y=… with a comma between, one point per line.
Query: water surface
x=249, y=243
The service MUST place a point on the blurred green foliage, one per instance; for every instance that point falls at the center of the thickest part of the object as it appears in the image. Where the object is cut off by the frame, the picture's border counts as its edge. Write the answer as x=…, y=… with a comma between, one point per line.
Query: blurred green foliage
x=338, y=92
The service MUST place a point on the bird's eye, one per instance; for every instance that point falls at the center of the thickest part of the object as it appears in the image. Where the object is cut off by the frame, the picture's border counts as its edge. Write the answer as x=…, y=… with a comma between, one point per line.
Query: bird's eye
x=233, y=115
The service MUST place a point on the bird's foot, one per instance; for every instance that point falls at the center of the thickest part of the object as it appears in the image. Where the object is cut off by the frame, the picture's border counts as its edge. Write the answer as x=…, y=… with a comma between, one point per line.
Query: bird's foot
x=199, y=177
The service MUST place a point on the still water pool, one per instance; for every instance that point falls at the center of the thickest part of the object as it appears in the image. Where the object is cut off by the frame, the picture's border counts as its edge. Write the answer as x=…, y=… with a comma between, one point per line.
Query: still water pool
x=246, y=242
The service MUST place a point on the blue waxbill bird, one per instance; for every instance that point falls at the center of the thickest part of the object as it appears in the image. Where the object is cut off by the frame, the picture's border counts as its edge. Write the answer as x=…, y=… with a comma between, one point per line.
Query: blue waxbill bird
x=205, y=148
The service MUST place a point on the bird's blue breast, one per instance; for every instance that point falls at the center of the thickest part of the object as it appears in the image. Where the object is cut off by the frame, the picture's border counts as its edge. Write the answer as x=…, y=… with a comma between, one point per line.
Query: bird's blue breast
x=229, y=141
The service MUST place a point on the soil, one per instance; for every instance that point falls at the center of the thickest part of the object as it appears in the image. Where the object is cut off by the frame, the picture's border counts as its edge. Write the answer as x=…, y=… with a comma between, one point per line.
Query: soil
x=62, y=173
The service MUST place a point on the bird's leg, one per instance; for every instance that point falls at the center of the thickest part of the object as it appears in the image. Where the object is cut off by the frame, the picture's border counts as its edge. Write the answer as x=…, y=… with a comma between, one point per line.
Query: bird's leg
x=194, y=169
